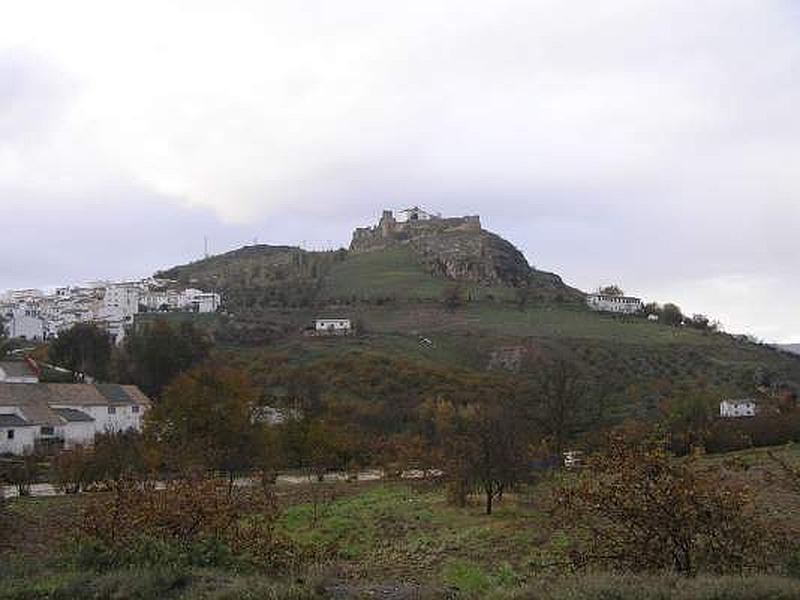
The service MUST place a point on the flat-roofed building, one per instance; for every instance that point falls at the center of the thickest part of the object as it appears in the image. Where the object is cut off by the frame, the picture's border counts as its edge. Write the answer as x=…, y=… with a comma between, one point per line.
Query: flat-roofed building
x=617, y=304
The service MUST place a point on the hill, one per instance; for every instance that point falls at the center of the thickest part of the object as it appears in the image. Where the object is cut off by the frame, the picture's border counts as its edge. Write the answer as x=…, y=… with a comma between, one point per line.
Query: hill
x=793, y=348
x=506, y=318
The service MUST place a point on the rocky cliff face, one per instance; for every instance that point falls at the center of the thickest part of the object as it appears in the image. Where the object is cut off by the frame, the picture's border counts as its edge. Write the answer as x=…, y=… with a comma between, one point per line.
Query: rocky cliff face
x=476, y=256
x=457, y=248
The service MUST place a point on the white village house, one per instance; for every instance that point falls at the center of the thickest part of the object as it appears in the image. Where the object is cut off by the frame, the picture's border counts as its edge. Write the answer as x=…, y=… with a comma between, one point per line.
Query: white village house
x=336, y=326
x=65, y=414
x=627, y=305
x=23, y=322
x=738, y=408
x=35, y=315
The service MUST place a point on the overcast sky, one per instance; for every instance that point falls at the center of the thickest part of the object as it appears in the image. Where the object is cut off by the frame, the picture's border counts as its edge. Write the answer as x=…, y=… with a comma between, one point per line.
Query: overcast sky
x=653, y=144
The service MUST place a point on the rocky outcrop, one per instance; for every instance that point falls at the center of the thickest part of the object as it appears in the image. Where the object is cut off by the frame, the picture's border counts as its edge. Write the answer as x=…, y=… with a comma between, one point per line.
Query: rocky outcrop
x=476, y=256
x=457, y=248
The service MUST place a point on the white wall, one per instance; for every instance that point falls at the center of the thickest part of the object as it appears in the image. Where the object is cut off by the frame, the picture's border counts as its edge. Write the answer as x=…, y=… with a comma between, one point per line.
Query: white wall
x=737, y=409
x=25, y=326
x=24, y=439
x=122, y=419
x=335, y=324
x=614, y=304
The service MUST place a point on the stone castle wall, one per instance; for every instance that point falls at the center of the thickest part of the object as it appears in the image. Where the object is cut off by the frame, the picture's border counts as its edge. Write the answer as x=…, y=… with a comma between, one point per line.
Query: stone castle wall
x=390, y=232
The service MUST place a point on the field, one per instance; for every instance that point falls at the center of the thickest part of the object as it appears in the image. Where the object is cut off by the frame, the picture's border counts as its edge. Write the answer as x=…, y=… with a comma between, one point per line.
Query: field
x=389, y=540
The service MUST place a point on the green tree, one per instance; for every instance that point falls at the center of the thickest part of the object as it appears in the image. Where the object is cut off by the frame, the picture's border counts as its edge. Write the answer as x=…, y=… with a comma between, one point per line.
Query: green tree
x=204, y=421
x=689, y=415
x=611, y=290
x=559, y=394
x=154, y=355
x=485, y=447
x=84, y=349
x=671, y=315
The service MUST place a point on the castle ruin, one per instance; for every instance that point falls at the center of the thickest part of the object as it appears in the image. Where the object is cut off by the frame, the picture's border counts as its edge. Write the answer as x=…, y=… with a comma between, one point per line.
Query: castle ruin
x=409, y=224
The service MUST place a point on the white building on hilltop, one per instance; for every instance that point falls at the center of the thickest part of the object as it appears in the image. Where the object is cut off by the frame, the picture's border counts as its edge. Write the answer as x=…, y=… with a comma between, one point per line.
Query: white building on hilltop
x=730, y=409
x=415, y=213
x=627, y=305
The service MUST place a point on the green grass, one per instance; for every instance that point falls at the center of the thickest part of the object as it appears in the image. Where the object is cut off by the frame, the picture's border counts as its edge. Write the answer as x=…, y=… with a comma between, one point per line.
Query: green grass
x=394, y=531
x=394, y=274
x=384, y=533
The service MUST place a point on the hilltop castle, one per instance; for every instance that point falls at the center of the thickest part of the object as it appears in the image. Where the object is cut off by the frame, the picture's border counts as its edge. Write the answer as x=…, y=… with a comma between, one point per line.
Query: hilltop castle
x=409, y=223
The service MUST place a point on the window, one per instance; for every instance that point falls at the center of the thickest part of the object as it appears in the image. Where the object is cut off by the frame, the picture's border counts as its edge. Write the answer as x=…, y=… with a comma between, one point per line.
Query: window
x=45, y=430
x=135, y=409
x=11, y=434
x=112, y=410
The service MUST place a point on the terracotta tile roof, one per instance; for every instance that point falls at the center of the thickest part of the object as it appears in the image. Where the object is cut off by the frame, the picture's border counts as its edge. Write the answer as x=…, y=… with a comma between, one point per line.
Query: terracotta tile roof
x=35, y=400
x=32, y=401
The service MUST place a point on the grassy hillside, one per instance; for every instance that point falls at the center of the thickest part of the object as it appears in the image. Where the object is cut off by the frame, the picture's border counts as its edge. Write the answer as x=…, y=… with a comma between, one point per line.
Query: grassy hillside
x=273, y=293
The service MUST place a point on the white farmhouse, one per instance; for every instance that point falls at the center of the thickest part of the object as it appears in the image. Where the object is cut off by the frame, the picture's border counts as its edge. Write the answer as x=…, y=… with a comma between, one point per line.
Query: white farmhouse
x=627, y=305
x=65, y=415
x=738, y=408
x=333, y=326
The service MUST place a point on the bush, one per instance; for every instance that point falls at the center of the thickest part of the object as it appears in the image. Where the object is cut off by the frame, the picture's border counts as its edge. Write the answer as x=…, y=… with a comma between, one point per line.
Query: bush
x=197, y=522
x=134, y=584
x=640, y=510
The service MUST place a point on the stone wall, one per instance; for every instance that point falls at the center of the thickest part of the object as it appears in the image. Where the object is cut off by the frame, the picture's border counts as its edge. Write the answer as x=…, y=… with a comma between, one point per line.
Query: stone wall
x=388, y=232
x=456, y=248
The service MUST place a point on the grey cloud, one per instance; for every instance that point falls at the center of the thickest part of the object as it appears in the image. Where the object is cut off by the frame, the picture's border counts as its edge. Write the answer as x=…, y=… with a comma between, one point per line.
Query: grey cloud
x=653, y=144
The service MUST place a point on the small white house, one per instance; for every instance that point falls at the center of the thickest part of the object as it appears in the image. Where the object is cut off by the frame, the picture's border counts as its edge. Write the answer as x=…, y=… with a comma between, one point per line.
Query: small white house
x=627, y=305
x=738, y=408
x=333, y=326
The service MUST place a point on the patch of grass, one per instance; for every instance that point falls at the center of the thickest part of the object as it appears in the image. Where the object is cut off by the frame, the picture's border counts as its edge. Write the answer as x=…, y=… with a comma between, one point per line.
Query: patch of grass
x=466, y=577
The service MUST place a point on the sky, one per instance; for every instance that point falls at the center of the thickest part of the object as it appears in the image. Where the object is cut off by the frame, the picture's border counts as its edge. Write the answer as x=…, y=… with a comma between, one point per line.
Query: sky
x=653, y=144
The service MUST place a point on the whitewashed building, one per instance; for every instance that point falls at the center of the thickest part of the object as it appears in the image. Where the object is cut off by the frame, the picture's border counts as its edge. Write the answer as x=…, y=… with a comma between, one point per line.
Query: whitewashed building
x=24, y=322
x=199, y=301
x=729, y=409
x=415, y=213
x=65, y=415
x=333, y=326
x=627, y=305
x=34, y=315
